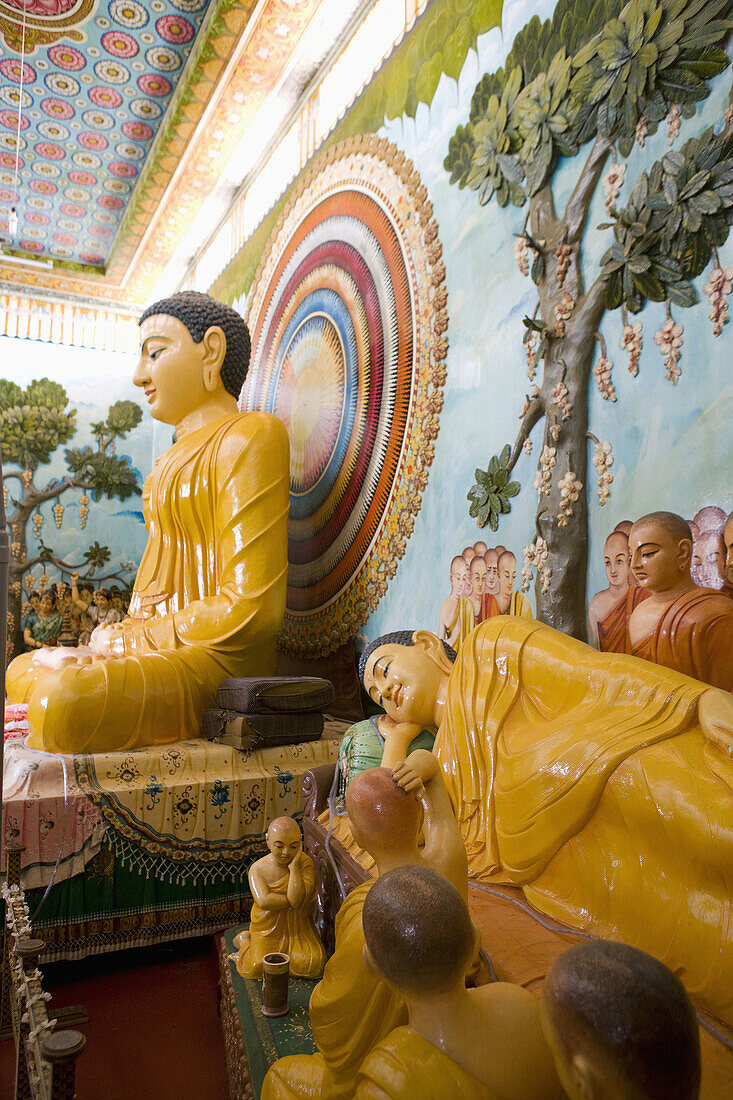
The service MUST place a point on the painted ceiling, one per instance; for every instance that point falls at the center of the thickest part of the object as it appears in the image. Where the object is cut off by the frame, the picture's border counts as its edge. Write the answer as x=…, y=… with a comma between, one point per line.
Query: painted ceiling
x=129, y=111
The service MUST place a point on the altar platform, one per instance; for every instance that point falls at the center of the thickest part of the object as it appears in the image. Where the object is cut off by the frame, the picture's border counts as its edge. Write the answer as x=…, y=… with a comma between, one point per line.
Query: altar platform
x=146, y=846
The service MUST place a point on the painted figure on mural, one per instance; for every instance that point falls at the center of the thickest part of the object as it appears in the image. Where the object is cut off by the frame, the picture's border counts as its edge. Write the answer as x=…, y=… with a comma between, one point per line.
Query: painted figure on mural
x=680, y=625
x=283, y=885
x=195, y=618
x=610, y=610
x=509, y=601
x=491, y=558
x=550, y=761
x=457, y=618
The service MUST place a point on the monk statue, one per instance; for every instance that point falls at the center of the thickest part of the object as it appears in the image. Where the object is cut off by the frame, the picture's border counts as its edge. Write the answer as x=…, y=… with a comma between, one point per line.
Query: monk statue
x=353, y=1008
x=492, y=572
x=620, y=1024
x=476, y=1044
x=209, y=597
x=283, y=886
x=680, y=625
x=483, y=603
x=508, y=601
x=610, y=610
x=599, y=784
x=456, y=612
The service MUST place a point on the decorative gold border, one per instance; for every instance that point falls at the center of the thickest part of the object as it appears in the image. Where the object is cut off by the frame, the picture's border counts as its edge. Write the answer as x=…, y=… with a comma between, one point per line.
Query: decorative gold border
x=322, y=632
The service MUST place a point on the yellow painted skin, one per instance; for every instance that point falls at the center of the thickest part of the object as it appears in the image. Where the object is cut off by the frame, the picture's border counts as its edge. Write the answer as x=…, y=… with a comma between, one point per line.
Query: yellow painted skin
x=601, y=785
x=208, y=602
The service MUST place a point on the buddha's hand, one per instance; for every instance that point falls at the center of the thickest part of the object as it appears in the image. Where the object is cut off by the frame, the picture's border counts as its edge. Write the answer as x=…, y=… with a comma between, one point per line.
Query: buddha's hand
x=715, y=714
x=108, y=640
x=407, y=779
x=61, y=656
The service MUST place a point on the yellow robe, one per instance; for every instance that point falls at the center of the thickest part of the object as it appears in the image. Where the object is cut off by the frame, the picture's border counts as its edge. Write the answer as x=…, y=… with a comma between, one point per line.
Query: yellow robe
x=288, y=930
x=208, y=602
x=404, y=1066
x=585, y=778
x=351, y=1010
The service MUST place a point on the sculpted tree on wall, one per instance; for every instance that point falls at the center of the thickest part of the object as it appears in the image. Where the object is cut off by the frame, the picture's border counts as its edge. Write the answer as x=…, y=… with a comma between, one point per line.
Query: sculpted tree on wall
x=587, y=85
x=33, y=423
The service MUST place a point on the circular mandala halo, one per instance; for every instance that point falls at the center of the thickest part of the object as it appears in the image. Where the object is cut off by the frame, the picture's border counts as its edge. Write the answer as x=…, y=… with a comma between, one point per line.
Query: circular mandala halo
x=348, y=322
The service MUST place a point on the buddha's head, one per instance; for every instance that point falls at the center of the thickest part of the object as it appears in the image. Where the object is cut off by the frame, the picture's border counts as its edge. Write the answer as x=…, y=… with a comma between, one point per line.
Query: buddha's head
x=418, y=932
x=507, y=573
x=383, y=818
x=403, y=672
x=492, y=571
x=661, y=551
x=708, y=560
x=619, y=1024
x=193, y=349
x=284, y=840
x=458, y=574
x=479, y=575
x=616, y=559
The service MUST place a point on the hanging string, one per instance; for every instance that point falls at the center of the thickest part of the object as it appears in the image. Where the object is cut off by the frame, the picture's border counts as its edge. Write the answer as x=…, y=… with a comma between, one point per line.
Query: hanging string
x=13, y=228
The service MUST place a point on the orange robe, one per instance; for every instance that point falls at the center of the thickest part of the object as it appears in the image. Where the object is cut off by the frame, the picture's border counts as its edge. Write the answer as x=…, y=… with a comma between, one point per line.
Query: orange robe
x=695, y=636
x=489, y=607
x=613, y=631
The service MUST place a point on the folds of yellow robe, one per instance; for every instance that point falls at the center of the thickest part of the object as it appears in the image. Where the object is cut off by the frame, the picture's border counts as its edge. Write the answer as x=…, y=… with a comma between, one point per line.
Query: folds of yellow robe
x=289, y=930
x=405, y=1066
x=208, y=602
x=586, y=779
x=351, y=1010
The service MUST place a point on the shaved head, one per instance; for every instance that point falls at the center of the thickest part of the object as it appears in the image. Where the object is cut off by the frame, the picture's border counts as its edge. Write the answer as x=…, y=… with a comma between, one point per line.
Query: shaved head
x=673, y=525
x=382, y=815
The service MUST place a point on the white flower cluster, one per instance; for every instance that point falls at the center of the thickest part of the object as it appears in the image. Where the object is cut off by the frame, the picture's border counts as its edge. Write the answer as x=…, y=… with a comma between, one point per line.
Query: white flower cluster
x=669, y=341
x=563, y=311
x=543, y=478
x=531, y=360
x=560, y=398
x=521, y=255
x=602, y=372
x=612, y=182
x=603, y=461
x=536, y=555
x=673, y=123
x=642, y=129
x=718, y=288
x=570, y=489
x=631, y=341
x=555, y=432
x=527, y=446
x=563, y=253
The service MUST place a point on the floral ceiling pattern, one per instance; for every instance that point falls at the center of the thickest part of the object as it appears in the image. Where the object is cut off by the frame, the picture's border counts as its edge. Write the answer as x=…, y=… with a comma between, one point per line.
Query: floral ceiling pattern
x=93, y=89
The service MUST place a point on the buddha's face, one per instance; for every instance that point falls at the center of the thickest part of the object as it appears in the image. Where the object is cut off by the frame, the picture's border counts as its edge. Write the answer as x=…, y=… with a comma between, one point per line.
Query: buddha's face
x=170, y=369
x=284, y=843
x=458, y=574
x=658, y=560
x=507, y=574
x=404, y=680
x=616, y=560
x=479, y=574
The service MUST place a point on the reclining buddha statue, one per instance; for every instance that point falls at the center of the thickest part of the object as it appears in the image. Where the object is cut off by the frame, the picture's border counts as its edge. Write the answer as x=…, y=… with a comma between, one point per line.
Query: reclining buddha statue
x=209, y=597
x=598, y=783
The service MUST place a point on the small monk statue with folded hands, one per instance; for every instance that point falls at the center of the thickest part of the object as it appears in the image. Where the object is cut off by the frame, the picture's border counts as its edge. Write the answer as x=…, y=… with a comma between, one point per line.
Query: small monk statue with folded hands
x=283, y=885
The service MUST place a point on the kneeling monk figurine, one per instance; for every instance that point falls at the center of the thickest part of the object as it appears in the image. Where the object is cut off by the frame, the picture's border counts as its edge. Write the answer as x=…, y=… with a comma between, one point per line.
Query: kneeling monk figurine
x=283, y=886
x=209, y=596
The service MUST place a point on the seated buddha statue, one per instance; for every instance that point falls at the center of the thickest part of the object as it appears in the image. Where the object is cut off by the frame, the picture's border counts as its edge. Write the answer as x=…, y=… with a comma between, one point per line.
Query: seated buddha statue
x=620, y=1024
x=679, y=625
x=352, y=1008
x=209, y=597
x=477, y=1044
x=599, y=784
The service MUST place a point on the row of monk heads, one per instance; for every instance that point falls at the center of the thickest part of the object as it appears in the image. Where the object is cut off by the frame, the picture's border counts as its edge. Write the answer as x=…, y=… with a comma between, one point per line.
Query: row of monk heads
x=708, y=566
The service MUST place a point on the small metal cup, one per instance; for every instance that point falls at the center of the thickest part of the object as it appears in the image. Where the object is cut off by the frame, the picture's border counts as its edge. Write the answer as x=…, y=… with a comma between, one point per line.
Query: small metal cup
x=275, y=976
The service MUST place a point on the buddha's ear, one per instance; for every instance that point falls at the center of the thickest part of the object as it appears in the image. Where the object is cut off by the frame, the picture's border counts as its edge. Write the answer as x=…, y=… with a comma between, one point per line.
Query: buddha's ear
x=214, y=347
x=431, y=643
